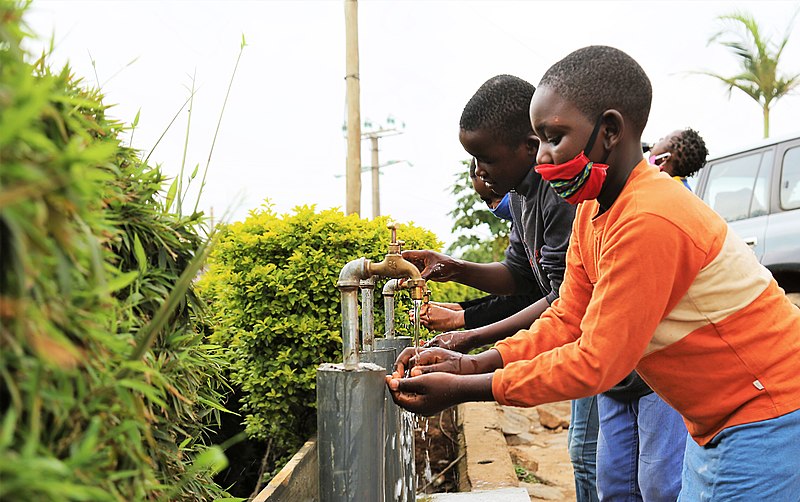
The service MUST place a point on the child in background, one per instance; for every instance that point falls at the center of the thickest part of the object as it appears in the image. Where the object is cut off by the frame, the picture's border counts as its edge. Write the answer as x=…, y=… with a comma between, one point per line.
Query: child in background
x=680, y=154
x=673, y=294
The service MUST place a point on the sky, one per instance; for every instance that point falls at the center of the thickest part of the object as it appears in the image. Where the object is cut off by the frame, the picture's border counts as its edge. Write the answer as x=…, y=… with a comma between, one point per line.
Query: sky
x=281, y=137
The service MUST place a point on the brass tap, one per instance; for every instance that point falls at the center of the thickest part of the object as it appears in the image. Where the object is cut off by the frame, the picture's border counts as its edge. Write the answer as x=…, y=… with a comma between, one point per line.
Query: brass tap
x=395, y=266
x=426, y=298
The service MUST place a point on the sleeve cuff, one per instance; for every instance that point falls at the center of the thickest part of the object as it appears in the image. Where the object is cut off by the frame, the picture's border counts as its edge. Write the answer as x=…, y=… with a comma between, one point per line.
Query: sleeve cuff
x=503, y=348
x=497, y=388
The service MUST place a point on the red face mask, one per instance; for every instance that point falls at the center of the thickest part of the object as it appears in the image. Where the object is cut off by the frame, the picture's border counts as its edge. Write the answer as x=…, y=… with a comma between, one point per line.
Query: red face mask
x=579, y=179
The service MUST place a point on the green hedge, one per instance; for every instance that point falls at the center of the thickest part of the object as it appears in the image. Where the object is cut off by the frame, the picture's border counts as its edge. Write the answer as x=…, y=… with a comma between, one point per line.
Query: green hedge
x=106, y=383
x=274, y=304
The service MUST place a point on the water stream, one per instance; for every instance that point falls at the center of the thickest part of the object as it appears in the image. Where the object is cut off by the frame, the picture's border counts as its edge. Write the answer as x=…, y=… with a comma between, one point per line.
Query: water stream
x=417, y=308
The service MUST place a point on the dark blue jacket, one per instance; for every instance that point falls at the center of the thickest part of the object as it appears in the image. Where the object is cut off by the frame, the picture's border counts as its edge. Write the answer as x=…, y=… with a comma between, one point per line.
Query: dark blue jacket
x=537, y=251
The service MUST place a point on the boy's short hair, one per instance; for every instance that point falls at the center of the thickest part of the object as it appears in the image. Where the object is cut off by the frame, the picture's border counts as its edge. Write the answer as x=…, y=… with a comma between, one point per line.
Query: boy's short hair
x=689, y=153
x=599, y=78
x=500, y=106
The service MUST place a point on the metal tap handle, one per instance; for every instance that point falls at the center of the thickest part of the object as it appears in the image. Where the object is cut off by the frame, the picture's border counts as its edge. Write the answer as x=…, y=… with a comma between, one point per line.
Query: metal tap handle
x=393, y=227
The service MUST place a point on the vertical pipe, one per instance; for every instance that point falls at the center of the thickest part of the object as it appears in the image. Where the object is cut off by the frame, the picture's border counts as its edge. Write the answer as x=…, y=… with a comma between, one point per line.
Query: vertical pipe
x=388, y=306
x=348, y=283
x=367, y=314
x=350, y=425
x=349, y=327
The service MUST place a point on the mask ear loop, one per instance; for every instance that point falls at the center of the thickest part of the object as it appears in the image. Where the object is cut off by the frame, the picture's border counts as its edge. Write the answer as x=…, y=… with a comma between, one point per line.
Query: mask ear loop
x=592, y=139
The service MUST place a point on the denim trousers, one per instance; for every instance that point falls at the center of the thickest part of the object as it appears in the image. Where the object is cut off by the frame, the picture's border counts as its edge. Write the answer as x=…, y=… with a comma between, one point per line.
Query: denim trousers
x=639, y=450
x=582, y=439
x=746, y=463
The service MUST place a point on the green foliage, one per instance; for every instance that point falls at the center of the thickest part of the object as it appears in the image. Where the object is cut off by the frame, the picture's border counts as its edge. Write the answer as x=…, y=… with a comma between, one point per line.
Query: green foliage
x=106, y=385
x=482, y=236
x=758, y=57
x=274, y=304
x=525, y=475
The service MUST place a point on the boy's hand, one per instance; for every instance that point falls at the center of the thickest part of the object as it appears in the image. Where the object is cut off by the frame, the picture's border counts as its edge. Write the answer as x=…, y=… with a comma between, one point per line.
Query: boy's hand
x=424, y=395
x=447, y=305
x=429, y=394
x=437, y=318
x=458, y=341
x=419, y=362
x=433, y=266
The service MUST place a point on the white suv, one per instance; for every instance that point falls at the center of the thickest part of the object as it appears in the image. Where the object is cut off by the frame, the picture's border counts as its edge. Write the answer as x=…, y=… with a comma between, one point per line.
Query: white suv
x=757, y=191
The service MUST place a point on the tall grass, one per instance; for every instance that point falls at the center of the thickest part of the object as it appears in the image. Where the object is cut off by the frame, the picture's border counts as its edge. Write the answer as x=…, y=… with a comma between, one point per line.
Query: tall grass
x=107, y=384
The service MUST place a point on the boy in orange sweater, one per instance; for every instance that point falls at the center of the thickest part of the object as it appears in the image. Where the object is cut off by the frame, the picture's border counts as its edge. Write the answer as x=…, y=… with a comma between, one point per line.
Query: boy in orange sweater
x=670, y=293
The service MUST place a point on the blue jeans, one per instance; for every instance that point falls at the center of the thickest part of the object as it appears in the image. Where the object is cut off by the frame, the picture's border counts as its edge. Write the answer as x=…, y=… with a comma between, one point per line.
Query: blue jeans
x=583, y=447
x=639, y=450
x=750, y=462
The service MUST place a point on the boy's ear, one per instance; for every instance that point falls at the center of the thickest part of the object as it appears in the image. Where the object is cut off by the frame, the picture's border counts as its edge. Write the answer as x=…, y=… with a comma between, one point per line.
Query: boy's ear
x=532, y=144
x=614, y=129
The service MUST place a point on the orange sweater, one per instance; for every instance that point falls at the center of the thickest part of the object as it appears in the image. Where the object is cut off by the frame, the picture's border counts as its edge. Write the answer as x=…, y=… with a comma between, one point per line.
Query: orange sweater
x=658, y=284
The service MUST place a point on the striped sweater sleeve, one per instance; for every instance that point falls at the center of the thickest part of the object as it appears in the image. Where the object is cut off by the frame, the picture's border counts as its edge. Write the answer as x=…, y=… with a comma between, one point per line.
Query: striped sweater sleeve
x=595, y=334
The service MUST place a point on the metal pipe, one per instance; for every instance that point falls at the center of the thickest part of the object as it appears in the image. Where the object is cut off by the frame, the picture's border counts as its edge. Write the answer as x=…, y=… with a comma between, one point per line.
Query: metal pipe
x=349, y=280
x=367, y=314
x=389, y=290
x=350, y=327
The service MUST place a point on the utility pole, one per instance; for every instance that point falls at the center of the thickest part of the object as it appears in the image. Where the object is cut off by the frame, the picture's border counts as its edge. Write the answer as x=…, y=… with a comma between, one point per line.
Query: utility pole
x=353, y=169
x=376, y=191
x=373, y=137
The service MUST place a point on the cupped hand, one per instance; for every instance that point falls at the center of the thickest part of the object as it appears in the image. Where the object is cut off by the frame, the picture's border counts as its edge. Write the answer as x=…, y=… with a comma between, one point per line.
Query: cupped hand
x=426, y=394
x=423, y=361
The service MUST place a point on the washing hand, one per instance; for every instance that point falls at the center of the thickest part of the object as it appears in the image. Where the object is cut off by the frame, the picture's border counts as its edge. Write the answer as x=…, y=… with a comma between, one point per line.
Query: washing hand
x=432, y=393
x=432, y=265
x=415, y=362
x=424, y=395
x=458, y=341
x=437, y=317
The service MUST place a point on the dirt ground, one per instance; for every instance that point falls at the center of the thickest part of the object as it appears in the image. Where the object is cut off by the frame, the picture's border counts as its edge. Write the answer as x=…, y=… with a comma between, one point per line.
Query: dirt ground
x=539, y=453
x=542, y=451
x=435, y=448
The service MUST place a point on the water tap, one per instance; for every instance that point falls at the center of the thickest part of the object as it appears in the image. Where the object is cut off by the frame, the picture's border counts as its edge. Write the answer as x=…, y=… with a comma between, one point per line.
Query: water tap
x=395, y=266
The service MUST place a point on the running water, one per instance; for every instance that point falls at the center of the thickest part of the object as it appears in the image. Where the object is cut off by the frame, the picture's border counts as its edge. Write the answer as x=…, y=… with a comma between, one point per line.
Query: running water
x=417, y=308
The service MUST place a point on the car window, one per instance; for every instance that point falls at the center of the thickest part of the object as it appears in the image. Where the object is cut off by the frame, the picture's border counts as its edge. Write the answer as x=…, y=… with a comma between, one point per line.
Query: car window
x=759, y=206
x=790, y=179
x=734, y=188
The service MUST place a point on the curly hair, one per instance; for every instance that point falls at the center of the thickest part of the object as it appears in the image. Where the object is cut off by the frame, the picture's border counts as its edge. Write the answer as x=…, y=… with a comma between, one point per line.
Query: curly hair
x=599, y=78
x=689, y=152
x=500, y=106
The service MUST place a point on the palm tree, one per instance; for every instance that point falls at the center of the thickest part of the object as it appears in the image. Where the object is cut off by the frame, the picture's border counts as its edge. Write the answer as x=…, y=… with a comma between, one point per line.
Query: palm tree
x=759, y=58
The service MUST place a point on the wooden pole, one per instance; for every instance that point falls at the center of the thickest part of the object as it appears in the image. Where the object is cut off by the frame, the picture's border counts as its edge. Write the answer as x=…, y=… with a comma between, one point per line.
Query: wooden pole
x=353, y=170
x=376, y=191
